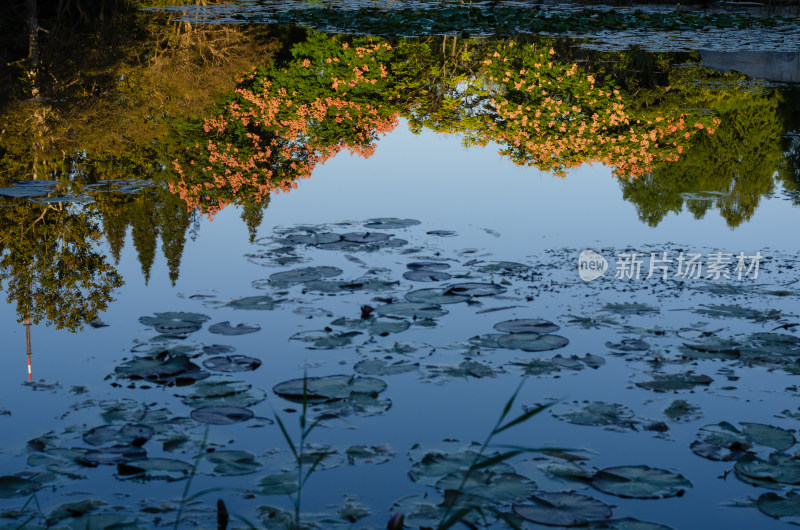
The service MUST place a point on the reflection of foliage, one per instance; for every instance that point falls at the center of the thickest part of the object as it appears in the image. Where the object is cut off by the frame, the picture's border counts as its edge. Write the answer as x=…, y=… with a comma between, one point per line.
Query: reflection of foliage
x=287, y=117
x=283, y=120
x=52, y=269
x=730, y=170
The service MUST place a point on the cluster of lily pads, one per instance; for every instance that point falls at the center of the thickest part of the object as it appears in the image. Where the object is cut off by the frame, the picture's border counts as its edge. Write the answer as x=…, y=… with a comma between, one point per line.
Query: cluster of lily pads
x=355, y=287
x=53, y=191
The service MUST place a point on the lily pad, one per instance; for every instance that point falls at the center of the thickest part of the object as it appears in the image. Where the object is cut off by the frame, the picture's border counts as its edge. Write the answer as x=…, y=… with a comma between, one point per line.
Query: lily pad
x=562, y=509
x=232, y=363
x=325, y=340
x=435, y=464
x=155, y=469
x=175, y=323
x=129, y=434
x=725, y=442
x=254, y=303
x=413, y=310
x=630, y=308
x=14, y=486
x=278, y=484
x=425, y=275
x=320, y=238
x=475, y=289
x=597, y=413
x=389, y=223
x=305, y=274
x=416, y=350
x=527, y=325
x=222, y=415
x=223, y=394
x=381, y=368
x=434, y=296
x=225, y=328
x=231, y=463
x=428, y=266
x=786, y=508
x=163, y=370
x=365, y=237
x=490, y=486
x=532, y=342
x=114, y=454
x=640, y=482
x=329, y=388
x=778, y=471
x=673, y=382
x=628, y=345
x=680, y=410
x=377, y=454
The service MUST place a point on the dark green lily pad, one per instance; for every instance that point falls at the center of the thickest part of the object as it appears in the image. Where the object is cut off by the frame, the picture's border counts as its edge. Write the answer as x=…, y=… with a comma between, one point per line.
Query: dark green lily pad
x=435, y=464
x=630, y=308
x=231, y=463
x=381, y=368
x=14, y=486
x=425, y=275
x=175, y=323
x=597, y=413
x=114, y=454
x=735, y=311
x=411, y=310
x=155, y=469
x=373, y=326
x=254, y=303
x=313, y=238
x=442, y=233
x=467, y=369
x=475, y=289
x=134, y=434
x=723, y=441
x=225, y=328
x=329, y=388
x=680, y=410
x=325, y=340
x=434, y=296
x=489, y=340
x=223, y=394
x=305, y=274
x=70, y=510
x=628, y=345
x=222, y=415
x=359, y=404
x=490, y=486
x=232, y=363
x=527, y=325
x=532, y=342
x=163, y=370
x=672, y=382
x=365, y=237
x=778, y=471
x=417, y=350
x=562, y=509
x=389, y=223
x=786, y=508
x=278, y=484
x=640, y=482
x=627, y=523
x=377, y=454
x=428, y=266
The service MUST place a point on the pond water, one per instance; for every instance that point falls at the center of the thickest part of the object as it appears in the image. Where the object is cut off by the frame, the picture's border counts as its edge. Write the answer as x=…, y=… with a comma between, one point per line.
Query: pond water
x=422, y=228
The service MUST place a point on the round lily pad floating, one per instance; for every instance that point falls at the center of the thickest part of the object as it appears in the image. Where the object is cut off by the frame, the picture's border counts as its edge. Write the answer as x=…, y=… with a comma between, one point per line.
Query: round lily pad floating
x=114, y=454
x=504, y=267
x=784, y=508
x=155, y=468
x=434, y=296
x=129, y=434
x=724, y=442
x=218, y=349
x=365, y=237
x=313, y=239
x=13, y=486
x=232, y=363
x=489, y=486
x=628, y=345
x=415, y=310
x=225, y=328
x=382, y=368
x=305, y=274
x=325, y=340
x=671, y=382
x=232, y=463
x=329, y=388
x=254, y=303
x=527, y=325
x=532, y=342
x=404, y=349
x=640, y=482
x=175, y=323
x=597, y=413
x=428, y=266
x=425, y=275
x=221, y=415
x=389, y=223
x=223, y=393
x=177, y=370
x=562, y=509
x=475, y=289
x=777, y=471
